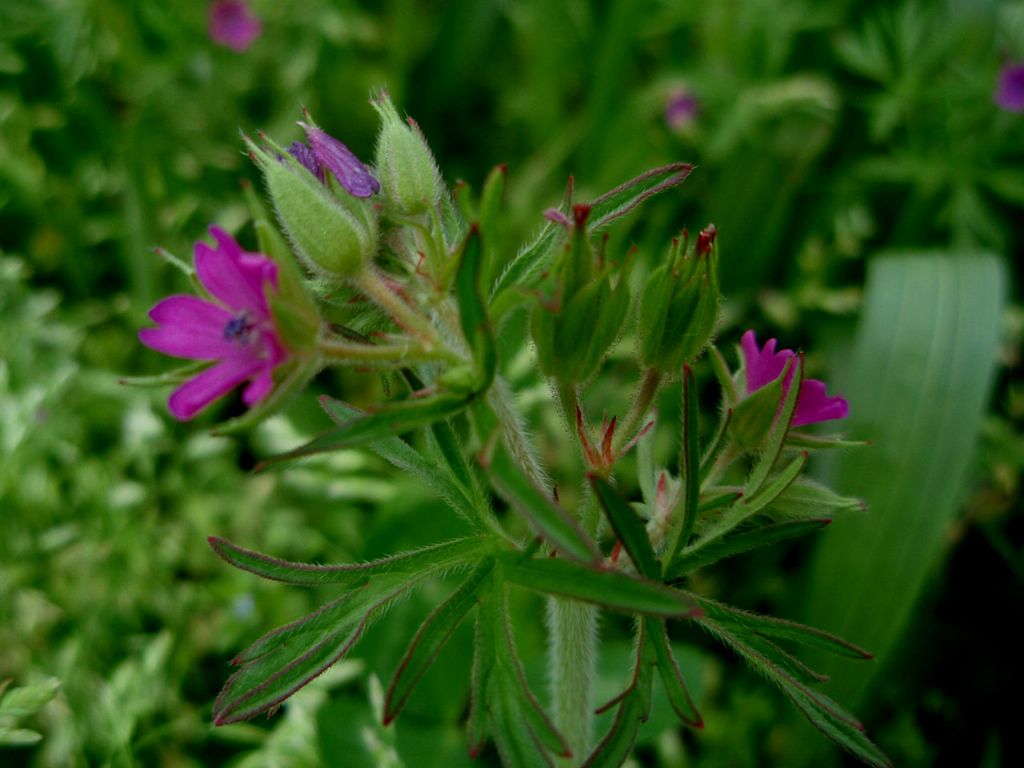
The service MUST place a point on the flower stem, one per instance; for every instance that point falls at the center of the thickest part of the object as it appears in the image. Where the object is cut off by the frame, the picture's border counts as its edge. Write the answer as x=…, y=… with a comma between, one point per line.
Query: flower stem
x=646, y=392
x=354, y=353
x=373, y=284
x=572, y=652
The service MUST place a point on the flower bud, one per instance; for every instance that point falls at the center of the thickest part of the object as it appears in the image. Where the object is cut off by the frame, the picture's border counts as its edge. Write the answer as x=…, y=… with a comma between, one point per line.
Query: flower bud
x=574, y=332
x=408, y=172
x=679, y=308
x=335, y=235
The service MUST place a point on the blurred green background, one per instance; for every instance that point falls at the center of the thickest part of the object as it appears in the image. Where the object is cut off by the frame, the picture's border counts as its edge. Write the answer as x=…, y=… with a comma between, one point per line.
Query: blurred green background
x=867, y=190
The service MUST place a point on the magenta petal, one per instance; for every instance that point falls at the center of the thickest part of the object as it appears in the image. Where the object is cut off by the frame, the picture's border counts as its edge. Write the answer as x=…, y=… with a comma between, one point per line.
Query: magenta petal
x=340, y=160
x=762, y=366
x=1010, y=91
x=814, y=405
x=198, y=392
x=189, y=328
x=259, y=388
x=232, y=276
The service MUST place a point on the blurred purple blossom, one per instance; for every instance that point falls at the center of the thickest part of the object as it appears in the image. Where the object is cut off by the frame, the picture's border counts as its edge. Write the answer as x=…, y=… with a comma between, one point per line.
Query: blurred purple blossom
x=763, y=365
x=1010, y=91
x=235, y=329
x=233, y=24
x=681, y=109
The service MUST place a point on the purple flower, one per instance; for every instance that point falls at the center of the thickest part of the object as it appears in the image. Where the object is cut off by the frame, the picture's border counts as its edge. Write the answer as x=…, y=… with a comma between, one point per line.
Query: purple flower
x=331, y=154
x=235, y=329
x=307, y=159
x=765, y=365
x=1010, y=92
x=233, y=25
x=681, y=110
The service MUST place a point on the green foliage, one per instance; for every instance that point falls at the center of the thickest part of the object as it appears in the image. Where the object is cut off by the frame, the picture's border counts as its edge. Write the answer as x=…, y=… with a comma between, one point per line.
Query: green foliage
x=824, y=133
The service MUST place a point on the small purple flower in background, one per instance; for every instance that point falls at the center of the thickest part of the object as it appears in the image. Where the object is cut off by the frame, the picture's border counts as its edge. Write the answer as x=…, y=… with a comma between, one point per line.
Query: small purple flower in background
x=327, y=152
x=1010, y=91
x=765, y=365
x=681, y=110
x=236, y=329
x=233, y=24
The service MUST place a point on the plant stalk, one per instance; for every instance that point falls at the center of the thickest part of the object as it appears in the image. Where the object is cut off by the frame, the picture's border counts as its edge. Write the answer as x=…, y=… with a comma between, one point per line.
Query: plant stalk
x=572, y=655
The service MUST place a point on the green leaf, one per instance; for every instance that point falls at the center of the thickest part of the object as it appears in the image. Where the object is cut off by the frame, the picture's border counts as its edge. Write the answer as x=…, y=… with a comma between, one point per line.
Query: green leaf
x=617, y=202
x=822, y=712
x=546, y=517
x=628, y=527
x=748, y=506
x=689, y=467
x=430, y=638
x=776, y=438
x=501, y=700
x=425, y=561
x=531, y=260
x=782, y=629
x=634, y=707
x=476, y=326
x=806, y=498
x=284, y=660
x=739, y=543
x=27, y=700
x=396, y=418
x=918, y=383
x=671, y=676
x=607, y=588
x=442, y=480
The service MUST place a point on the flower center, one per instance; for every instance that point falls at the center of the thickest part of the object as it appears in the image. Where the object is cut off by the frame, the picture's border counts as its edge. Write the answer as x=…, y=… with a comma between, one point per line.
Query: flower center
x=239, y=329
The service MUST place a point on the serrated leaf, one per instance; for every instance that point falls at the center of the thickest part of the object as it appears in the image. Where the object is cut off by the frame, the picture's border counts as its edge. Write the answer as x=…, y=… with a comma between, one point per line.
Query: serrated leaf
x=634, y=707
x=546, y=517
x=782, y=629
x=739, y=543
x=428, y=560
x=671, y=675
x=629, y=528
x=607, y=588
x=822, y=712
x=476, y=325
x=284, y=660
x=396, y=418
x=430, y=638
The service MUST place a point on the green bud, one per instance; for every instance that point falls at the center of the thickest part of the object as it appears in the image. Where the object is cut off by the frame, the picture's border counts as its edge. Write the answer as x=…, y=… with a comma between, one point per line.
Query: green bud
x=335, y=235
x=295, y=312
x=409, y=177
x=679, y=308
x=574, y=332
x=753, y=416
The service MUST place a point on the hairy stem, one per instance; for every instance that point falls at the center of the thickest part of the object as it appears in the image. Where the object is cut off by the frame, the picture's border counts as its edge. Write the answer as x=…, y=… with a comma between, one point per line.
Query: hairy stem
x=572, y=654
x=646, y=392
x=375, y=287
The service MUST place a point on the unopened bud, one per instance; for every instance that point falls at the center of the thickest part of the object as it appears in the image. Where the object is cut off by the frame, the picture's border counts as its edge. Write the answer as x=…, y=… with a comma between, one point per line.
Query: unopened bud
x=408, y=172
x=334, y=236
